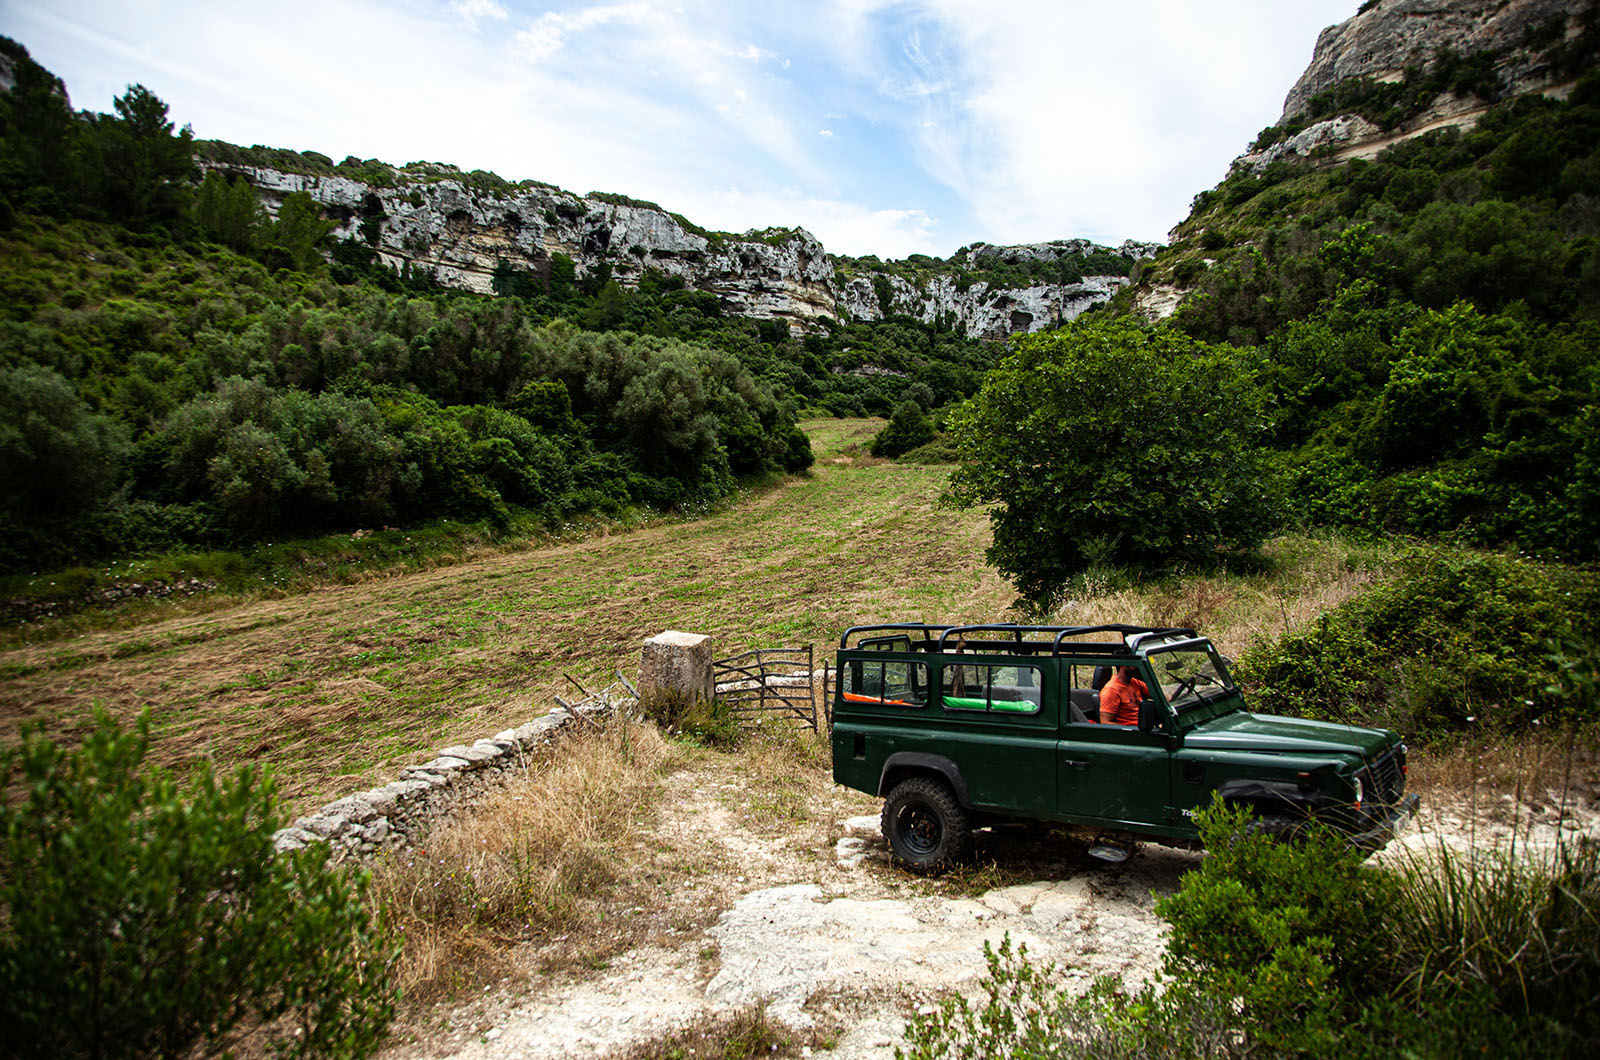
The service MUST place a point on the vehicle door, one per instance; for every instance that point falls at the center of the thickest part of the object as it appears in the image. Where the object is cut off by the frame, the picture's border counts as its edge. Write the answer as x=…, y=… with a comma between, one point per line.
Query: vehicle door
x=1111, y=774
x=999, y=728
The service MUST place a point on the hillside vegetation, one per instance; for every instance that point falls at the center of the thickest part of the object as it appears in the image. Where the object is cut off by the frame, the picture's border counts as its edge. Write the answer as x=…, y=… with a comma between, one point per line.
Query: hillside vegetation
x=180, y=371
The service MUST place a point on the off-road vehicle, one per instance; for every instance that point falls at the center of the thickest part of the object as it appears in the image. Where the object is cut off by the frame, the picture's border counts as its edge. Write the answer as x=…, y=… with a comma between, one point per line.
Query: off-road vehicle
x=958, y=727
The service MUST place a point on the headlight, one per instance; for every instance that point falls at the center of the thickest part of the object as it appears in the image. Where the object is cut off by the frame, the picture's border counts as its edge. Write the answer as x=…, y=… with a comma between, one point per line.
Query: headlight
x=1356, y=782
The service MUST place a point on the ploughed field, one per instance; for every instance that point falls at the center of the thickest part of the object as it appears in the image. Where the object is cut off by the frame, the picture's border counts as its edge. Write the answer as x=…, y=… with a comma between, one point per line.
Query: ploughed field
x=337, y=688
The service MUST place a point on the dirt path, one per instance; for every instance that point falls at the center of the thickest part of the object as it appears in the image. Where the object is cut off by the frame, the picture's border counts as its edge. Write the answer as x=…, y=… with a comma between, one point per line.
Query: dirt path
x=812, y=919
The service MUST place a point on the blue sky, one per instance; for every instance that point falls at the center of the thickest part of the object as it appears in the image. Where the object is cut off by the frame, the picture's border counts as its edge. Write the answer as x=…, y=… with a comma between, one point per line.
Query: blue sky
x=882, y=126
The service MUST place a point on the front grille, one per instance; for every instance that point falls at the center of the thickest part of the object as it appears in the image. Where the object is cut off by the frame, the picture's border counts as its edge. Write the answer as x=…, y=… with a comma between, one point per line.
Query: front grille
x=1383, y=780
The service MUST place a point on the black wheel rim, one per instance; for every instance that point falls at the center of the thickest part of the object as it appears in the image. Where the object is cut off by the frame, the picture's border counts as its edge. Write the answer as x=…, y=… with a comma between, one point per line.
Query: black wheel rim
x=919, y=829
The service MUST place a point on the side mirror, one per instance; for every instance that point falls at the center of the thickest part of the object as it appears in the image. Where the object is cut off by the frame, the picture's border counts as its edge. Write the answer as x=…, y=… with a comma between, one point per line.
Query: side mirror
x=1147, y=715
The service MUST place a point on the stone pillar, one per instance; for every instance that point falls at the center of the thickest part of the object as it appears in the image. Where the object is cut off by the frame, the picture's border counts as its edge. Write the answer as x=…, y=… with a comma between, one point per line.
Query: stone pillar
x=677, y=665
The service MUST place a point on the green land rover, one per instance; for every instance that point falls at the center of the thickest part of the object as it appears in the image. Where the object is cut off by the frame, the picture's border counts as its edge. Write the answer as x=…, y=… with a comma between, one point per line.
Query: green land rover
x=958, y=727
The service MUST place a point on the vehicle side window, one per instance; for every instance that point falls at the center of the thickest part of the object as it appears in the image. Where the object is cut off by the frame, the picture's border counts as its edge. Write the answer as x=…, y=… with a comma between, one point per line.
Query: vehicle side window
x=1082, y=693
x=1012, y=689
x=887, y=683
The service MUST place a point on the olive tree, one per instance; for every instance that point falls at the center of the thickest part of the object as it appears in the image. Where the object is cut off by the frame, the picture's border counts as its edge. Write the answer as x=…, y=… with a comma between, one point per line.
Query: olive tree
x=1107, y=442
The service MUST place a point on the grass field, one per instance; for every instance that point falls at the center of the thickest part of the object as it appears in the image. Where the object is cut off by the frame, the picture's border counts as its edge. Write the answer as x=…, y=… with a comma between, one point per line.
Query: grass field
x=338, y=687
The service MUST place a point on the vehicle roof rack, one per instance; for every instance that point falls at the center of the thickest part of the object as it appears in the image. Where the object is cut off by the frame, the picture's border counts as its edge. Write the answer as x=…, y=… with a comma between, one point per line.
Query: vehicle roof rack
x=1013, y=638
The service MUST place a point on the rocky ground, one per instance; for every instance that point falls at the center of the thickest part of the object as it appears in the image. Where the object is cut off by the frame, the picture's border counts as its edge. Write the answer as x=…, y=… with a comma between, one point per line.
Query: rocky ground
x=809, y=917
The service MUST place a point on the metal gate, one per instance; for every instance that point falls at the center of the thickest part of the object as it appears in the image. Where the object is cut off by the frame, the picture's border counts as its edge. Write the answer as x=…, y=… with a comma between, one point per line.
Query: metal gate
x=779, y=681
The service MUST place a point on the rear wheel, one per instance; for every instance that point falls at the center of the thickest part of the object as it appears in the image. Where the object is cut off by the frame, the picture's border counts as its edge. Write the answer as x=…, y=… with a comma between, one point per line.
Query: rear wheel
x=925, y=826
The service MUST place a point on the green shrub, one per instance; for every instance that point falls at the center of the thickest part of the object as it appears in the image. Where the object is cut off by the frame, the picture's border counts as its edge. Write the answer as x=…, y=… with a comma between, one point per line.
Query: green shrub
x=909, y=428
x=1452, y=639
x=1286, y=929
x=1517, y=928
x=710, y=722
x=145, y=918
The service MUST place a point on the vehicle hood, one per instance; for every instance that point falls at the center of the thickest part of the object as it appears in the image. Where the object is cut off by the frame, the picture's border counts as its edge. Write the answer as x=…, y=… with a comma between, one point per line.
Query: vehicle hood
x=1243, y=731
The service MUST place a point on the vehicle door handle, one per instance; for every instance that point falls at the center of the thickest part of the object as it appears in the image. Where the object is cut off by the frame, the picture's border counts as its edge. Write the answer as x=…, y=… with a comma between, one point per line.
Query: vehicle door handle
x=1074, y=763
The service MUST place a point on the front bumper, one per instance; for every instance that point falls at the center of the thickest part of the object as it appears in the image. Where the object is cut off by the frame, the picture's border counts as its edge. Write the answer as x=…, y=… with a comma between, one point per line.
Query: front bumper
x=1392, y=824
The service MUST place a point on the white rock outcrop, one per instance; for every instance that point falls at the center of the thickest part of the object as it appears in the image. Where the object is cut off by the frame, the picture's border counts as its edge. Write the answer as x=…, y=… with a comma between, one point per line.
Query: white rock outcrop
x=434, y=222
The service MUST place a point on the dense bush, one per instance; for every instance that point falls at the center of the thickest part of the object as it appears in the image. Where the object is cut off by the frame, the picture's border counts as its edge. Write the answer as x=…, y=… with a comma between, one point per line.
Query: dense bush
x=909, y=428
x=139, y=917
x=1302, y=950
x=1109, y=443
x=1453, y=639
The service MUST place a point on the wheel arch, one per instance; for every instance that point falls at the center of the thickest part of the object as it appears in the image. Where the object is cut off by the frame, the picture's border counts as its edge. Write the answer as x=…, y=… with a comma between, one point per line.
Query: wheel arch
x=902, y=765
x=1271, y=797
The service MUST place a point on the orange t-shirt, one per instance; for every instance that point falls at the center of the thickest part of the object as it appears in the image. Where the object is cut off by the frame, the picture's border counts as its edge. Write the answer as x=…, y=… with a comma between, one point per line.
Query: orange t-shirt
x=1120, y=699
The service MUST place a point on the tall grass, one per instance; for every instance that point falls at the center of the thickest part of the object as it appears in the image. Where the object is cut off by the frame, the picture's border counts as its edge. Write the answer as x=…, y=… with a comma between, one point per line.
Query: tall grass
x=1516, y=925
x=529, y=863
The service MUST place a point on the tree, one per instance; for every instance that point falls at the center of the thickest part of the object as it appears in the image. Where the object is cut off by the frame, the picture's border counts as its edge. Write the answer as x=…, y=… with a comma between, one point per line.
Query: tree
x=56, y=457
x=1108, y=442
x=295, y=240
x=907, y=429
x=144, y=162
x=138, y=918
x=37, y=136
x=227, y=211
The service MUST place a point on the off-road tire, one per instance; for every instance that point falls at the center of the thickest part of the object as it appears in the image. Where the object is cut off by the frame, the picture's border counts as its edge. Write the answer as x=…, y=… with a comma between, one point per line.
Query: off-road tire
x=1282, y=827
x=925, y=826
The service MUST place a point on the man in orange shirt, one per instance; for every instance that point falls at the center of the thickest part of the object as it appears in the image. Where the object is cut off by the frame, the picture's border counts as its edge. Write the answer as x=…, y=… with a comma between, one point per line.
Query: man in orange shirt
x=1120, y=698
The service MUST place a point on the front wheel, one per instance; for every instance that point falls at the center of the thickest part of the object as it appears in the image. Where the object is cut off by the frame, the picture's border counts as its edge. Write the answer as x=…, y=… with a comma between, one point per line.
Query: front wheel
x=925, y=826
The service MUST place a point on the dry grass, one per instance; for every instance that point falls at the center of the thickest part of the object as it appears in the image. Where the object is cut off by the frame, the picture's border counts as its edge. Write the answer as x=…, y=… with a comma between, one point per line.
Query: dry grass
x=1538, y=772
x=536, y=860
x=1302, y=577
x=742, y=1035
x=423, y=659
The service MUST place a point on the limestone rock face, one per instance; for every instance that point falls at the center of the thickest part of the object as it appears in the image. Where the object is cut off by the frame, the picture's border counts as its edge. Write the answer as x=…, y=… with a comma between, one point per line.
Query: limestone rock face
x=1380, y=42
x=1338, y=132
x=438, y=223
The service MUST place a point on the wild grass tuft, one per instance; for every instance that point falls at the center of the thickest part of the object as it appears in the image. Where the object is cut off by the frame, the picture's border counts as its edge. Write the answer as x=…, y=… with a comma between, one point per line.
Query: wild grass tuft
x=1517, y=926
x=526, y=864
x=742, y=1035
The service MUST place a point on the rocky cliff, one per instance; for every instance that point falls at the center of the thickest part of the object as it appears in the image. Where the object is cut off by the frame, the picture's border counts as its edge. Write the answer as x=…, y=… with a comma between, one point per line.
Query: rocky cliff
x=1387, y=39
x=461, y=227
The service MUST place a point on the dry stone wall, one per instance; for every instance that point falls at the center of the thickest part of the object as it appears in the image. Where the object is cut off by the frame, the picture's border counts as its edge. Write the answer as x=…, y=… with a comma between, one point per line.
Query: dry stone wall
x=391, y=817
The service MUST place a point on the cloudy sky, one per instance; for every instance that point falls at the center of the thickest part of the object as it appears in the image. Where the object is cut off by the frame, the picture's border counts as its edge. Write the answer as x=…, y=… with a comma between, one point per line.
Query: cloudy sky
x=883, y=126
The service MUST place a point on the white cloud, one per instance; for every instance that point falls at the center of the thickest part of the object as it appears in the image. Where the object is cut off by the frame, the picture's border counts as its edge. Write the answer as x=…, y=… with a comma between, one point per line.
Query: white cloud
x=824, y=132
x=473, y=10
x=1064, y=120
x=843, y=227
x=548, y=34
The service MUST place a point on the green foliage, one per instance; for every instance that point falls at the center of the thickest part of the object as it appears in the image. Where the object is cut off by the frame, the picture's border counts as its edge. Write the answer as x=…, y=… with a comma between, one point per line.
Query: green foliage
x=296, y=238
x=709, y=722
x=1108, y=442
x=909, y=428
x=139, y=162
x=1289, y=930
x=1517, y=930
x=1302, y=950
x=56, y=457
x=227, y=212
x=142, y=918
x=1452, y=640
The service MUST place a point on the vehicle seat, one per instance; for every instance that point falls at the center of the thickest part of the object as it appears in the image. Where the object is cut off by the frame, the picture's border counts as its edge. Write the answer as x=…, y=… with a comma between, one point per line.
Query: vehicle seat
x=1085, y=704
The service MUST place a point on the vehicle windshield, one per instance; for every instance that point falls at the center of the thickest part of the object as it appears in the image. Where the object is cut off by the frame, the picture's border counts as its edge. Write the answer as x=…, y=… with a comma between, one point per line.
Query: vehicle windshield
x=1189, y=674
